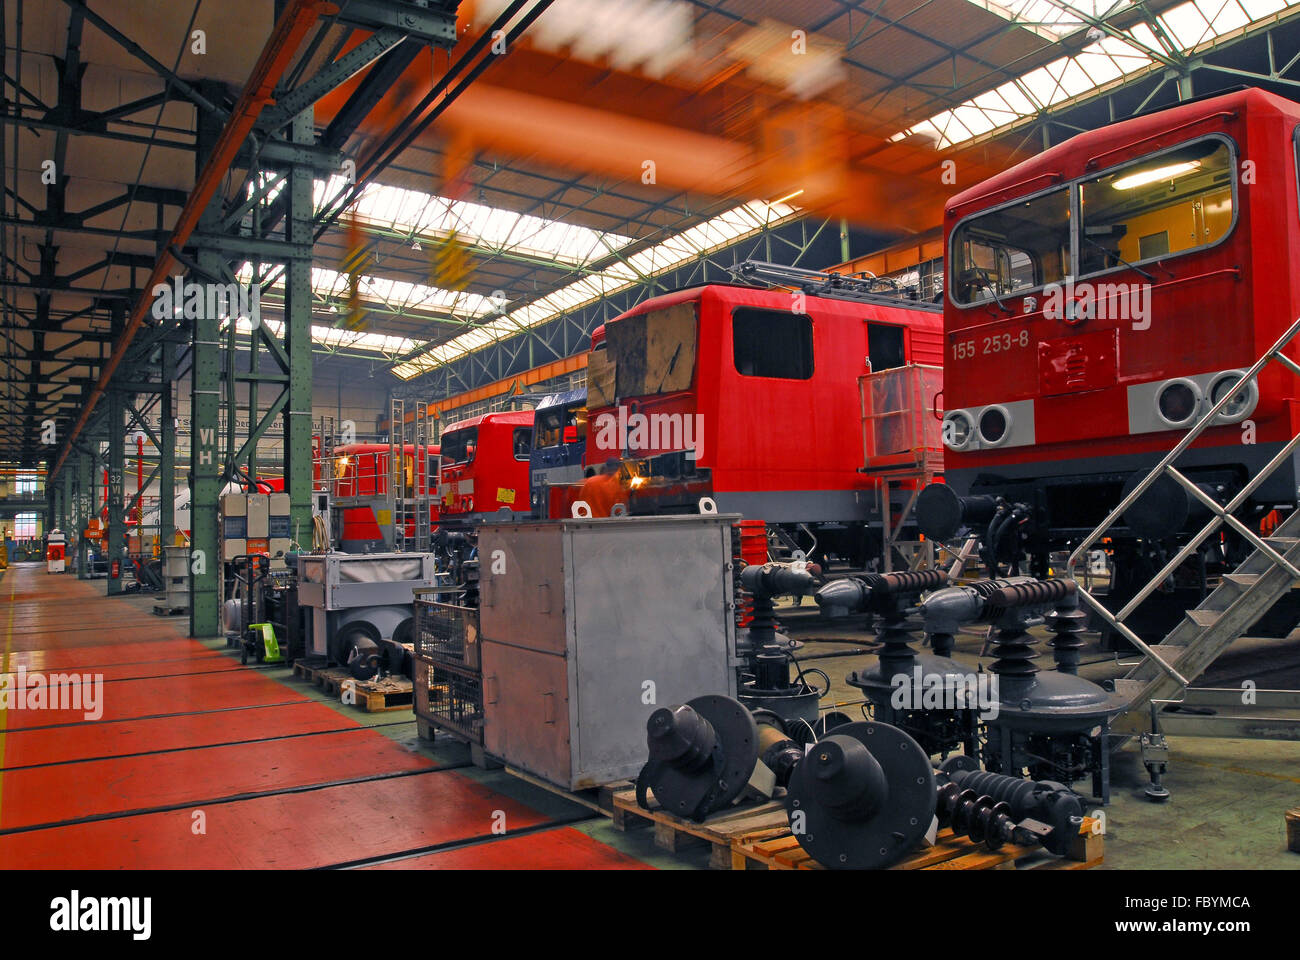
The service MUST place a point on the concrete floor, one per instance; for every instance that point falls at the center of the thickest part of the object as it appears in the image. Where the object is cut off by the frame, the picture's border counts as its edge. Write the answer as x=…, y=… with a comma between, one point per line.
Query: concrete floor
x=1226, y=810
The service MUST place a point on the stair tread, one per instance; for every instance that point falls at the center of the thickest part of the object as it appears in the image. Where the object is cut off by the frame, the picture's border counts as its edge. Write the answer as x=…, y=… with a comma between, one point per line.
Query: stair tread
x=1243, y=579
x=1205, y=618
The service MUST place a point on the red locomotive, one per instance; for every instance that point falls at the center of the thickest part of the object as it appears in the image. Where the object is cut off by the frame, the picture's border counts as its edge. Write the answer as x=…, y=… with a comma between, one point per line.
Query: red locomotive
x=357, y=478
x=753, y=398
x=485, y=466
x=1101, y=296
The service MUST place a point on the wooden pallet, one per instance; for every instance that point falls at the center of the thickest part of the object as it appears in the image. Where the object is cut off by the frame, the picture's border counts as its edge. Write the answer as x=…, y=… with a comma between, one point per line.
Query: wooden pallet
x=781, y=851
x=372, y=696
x=599, y=799
x=720, y=830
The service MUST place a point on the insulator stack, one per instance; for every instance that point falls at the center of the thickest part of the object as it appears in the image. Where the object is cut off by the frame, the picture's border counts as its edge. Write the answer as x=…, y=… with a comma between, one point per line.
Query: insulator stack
x=1013, y=645
x=1032, y=592
x=993, y=808
x=1067, y=623
x=749, y=548
x=1014, y=649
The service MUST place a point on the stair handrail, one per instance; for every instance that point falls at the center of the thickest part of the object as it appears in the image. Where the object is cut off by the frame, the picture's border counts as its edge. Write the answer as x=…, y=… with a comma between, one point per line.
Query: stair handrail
x=1219, y=514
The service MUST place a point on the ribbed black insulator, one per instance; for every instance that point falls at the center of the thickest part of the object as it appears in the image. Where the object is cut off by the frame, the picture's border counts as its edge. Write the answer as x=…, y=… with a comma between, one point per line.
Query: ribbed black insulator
x=1034, y=592
x=1014, y=649
x=1067, y=625
x=909, y=581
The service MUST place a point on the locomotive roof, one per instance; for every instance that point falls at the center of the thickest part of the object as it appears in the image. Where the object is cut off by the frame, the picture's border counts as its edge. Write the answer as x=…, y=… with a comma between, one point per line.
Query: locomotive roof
x=1069, y=159
x=513, y=417
x=561, y=399
x=774, y=298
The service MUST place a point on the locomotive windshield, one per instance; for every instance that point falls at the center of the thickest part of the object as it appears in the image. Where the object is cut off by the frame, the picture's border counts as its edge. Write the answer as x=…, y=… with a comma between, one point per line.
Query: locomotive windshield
x=1160, y=206
x=559, y=425
x=1012, y=249
x=459, y=445
x=1165, y=204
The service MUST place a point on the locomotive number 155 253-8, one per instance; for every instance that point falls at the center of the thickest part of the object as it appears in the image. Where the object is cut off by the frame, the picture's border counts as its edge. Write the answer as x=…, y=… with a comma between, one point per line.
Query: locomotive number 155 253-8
x=989, y=343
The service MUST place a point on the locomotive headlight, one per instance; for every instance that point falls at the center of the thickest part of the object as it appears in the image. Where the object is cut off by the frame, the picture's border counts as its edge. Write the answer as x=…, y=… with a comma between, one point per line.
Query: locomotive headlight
x=1244, y=397
x=958, y=429
x=994, y=425
x=1178, y=402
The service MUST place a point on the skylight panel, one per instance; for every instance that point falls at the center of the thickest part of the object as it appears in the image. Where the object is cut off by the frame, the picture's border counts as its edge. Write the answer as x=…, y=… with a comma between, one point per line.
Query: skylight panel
x=674, y=252
x=1189, y=25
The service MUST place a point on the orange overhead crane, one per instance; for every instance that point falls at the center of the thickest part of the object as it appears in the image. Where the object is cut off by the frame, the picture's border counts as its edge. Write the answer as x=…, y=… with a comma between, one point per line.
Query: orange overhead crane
x=723, y=122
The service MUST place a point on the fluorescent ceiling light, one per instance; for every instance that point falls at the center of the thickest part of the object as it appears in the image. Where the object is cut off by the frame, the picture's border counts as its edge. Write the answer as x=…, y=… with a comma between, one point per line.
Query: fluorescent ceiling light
x=1168, y=172
x=677, y=251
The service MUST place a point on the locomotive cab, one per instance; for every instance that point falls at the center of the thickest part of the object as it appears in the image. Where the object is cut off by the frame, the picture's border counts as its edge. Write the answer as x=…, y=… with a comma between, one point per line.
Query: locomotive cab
x=1102, y=297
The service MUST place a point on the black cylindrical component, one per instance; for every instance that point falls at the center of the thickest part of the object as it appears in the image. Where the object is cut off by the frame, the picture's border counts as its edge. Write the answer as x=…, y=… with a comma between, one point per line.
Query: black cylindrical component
x=771, y=671
x=775, y=749
x=680, y=737
x=848, y=780
x=941, y=512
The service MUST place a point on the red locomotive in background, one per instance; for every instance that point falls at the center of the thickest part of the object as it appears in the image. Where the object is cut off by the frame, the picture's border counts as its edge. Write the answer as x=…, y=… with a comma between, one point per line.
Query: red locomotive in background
x=753, y=398
x=485, y=466
x=357, y=478
x=1101, y=296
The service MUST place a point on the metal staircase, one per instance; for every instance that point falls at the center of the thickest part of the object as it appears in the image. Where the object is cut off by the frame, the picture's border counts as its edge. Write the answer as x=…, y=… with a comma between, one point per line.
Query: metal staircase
x=1169, y=667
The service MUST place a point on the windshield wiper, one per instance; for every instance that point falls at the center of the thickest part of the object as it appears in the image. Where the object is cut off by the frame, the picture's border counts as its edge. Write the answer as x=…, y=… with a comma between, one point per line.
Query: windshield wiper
x=1112, y=253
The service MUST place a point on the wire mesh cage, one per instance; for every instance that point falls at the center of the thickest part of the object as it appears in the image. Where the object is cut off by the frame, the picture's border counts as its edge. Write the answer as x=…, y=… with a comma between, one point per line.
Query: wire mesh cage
x=450, y=699
x=900, y=421
x=446, y=633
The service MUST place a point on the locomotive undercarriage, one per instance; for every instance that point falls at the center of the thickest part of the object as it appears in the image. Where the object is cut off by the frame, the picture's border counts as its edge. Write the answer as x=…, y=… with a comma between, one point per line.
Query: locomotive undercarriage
x=1022, y=521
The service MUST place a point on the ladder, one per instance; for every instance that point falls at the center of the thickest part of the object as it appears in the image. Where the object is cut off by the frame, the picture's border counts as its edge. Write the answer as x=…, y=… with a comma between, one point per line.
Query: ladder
x=409, y=501
x=1169, y=667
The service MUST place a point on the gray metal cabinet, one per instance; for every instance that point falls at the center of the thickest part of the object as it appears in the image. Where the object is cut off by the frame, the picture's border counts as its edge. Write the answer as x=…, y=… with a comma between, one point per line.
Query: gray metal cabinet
x=588, y=626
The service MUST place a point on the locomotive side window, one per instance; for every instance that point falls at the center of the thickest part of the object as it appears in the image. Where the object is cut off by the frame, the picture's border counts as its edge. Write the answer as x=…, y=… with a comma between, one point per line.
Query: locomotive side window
x=523, y=442
x=885, y=346
x=1012, y=249
x=1162, y=205
x=772, y=343
x=459, y=446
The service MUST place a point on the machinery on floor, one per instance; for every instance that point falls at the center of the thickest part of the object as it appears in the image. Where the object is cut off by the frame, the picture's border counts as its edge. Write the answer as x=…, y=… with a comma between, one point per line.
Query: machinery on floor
x=358, y=607
x=861, y=797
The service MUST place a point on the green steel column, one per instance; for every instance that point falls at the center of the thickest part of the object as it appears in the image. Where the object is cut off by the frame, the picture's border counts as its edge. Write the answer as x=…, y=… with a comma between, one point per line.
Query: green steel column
x=69, y=514
x=116, y=533
x=167, y=455
x=85, y=510
x=297, y=336
x=205, y=408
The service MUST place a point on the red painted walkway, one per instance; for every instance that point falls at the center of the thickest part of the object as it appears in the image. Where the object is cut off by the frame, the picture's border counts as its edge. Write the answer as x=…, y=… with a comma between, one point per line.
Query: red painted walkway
x=188, y=760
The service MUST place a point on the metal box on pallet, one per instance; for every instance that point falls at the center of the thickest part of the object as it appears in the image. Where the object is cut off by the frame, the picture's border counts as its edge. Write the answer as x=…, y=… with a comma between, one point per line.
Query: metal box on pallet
x=588, y=625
